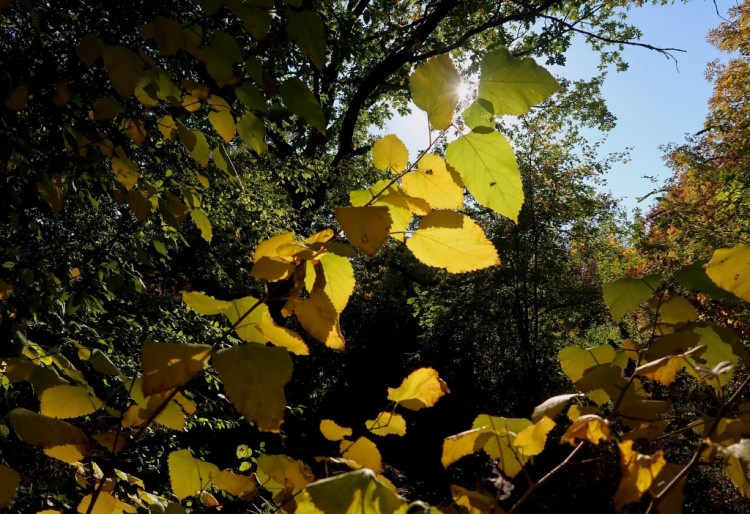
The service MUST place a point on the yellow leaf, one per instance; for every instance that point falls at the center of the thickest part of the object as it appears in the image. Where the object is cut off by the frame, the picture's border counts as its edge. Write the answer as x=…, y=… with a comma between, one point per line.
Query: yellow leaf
x=432, y=182
x=450, y=240
x=500, y=445
x=387, y=423
x=365, y=227
x=124, y=68
x=189, y=476
x=319, y=318
x=169, y=366
x=200, y=151
x=267, y=264
x=364, y=452
x=389, y=152
x=167, y=127
x=241, y=486
x=254, y=377
x=219, y=103
x=675, y=310
x=125, y=171
x=355, y=492
x=134, y=130
x=729, y=269
x=105, y=504
x=257, y=326
x=204, y=304
x=638, y=472
x=552, y=406
x=575, y=361
x=9, y=482
x=169, y=413
x=339, y=279
x=588, y=427
x=463, y=444
x=6, y=290
x=664, y=370
x=422, y=388
x=474, y=502
x=531, y=440
x=203, y=224
x=291, y=474
x=67, y=401
x=434, y=88
x=48, y=433
x=332, y=431
x=110, y=441
x=224, y=124
x=191, y=103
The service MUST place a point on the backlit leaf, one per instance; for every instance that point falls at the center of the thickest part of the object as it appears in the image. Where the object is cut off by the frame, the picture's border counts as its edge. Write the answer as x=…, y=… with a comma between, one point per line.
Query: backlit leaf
x=203, y=224
x=319, y=318
x=434, y=88
x=390, y=153
x=68, y=401
x=460, y=445
x=254, y=377
x=488, y=168
x=366, y=228
x=124, y=68
x=125, y=171
x=339, y=276
x=531, y=440
x=422, y=388
x=203, y=303
x=673, y=501
x=387, y=423
x=638, y=472
x=514, y=85
x=224, y=124
x=355, y=492
x=298, y=98
x=729, y=269
x=432, y=182
x=169, y=366
x=664, y=370
x=268, y=264
x=472, y=502
x=253, y=132
x=49, y=433
x=675, y=310
x=552, y=406
x=306, y=29
x=9, y=482
x=251, y=97
x=167, y=127
x=291, y=474
x=588, y=427
x=500, y=446
x=257, y=326
x=256, y=21
x=332, y=431
x=200, y=151
x=450, y=240
x=362, y=451
x=188, y=475
x=625, y=294
x=575, y=361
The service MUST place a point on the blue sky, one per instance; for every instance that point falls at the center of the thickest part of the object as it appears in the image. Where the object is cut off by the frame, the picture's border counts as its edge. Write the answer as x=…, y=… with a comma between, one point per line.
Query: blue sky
x=655, y=101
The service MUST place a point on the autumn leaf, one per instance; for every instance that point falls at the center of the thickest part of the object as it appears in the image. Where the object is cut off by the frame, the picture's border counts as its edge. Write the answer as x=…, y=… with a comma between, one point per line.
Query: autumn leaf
x=434, y=88
x=188, y=475
x=531, y=440
x=9, y=482
x=357, y=491
x=588, y=427
x=362, y=451
x=638, y=472
x=390, y=153
x=387, y=423
x=729, y=269
x=169, y=366
x=422, y=388
x=625, y=294
x=332, y=431
x=68, y=401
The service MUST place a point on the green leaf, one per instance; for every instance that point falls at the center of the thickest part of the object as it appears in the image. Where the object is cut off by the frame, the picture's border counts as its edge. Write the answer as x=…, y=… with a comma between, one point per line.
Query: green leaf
x=253, y=132
x=729, y=269
x=200, y=151
x=254, y=377
x=488, y=168
x=203, y=224
x=251, y=97
x=626, y=294
x=124, y=68
x=434, y=88
x=479, y=114
x=514, y=85
x=298, y=98
x=307, y=30
x=256, y=21
x=450, y=240
x=357, y=491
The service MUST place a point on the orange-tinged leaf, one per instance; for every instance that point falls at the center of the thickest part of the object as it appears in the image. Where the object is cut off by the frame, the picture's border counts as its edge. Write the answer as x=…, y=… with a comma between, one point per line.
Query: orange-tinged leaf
x=450, y=240
x=332, y=431
x=6, y=290
x=224, y=124
x=465, y=443
x=9, y=482
x=387, y=423
x=531, y=440
x=422, y=388
x=196, y=89
x=139, y=204
x=203, y=303
x=48, y=433
x=254, y=377
x=434, y=183
x=134, y=130
x=124, y=68
x=364, y=452
x=291, y=474
x=729, y=269
x=169, y=366
x=18, y=99
x=588, y=427
x=390, y=153
x=188, y=475
x=638, y=472
x=62, y=94
x=366, y=228
x=68, y=401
